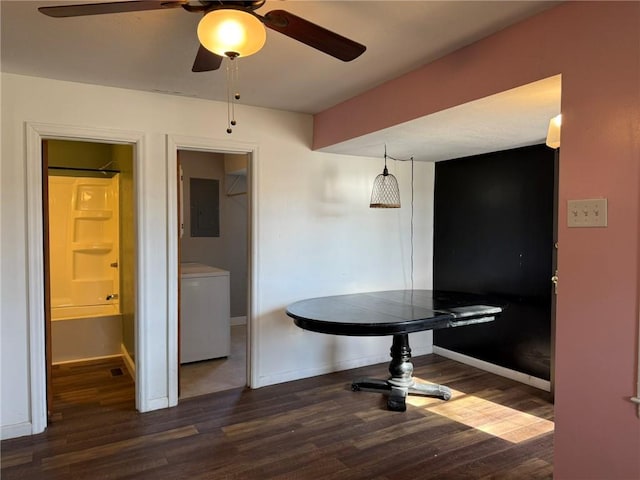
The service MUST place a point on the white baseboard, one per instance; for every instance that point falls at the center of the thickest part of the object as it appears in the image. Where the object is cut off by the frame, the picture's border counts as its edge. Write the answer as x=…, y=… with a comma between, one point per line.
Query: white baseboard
x=14, y=431
x=238, y=320
x=128, y=361
x=155, y=404
x=88, y=359
x=291, y=375
x=496, y=369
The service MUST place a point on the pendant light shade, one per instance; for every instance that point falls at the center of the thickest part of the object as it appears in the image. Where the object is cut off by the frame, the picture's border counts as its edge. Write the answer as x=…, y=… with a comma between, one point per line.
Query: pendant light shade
x=385, y=193
x=231, y=33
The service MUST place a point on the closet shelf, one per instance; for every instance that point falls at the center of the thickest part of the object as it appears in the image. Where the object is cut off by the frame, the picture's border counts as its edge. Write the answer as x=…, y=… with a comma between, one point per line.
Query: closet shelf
x=236, y=184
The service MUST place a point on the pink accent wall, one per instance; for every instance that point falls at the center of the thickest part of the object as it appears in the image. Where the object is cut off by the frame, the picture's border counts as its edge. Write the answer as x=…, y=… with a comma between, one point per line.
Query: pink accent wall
x=596, y=48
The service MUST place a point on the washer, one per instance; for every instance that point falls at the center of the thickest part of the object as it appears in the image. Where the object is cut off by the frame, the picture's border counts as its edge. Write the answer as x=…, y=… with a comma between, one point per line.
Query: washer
x=204, y=313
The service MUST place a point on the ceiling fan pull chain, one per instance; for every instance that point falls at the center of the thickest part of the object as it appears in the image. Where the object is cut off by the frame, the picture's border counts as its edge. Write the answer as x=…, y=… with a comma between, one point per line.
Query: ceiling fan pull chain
x=232, y=85
x=235, y=86
x=229, y=97
x=229, y=102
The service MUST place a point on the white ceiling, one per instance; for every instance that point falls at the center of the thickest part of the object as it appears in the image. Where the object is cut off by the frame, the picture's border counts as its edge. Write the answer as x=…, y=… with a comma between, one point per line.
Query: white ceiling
x=154, y=51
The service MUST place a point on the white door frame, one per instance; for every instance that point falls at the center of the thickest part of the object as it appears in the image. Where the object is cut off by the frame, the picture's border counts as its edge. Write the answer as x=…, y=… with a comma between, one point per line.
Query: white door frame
x=181, y=142
x=35, y=134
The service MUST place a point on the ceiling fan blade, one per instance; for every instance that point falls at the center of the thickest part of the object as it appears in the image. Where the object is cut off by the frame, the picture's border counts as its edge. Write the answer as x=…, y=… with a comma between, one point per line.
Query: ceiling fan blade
x=109, y=7
x=313, y=35
x=206, y=61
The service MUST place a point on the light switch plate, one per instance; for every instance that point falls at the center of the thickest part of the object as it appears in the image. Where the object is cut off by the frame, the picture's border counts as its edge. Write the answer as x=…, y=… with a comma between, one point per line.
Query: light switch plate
x=587, y=213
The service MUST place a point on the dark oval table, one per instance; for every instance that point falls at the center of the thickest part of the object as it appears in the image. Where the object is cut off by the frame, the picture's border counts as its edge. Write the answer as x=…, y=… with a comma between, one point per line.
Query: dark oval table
x=397, y=313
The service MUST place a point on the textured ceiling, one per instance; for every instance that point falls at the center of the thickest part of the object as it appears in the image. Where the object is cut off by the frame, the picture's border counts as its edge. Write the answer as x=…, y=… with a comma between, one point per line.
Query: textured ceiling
x=154, y=51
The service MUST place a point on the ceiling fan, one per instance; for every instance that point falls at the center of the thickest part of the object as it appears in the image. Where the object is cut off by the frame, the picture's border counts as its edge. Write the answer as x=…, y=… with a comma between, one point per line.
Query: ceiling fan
x=281, y=21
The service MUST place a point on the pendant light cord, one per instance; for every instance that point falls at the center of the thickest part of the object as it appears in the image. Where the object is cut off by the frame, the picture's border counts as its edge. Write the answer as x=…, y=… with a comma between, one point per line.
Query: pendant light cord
x=412, y=210
x=412, y=190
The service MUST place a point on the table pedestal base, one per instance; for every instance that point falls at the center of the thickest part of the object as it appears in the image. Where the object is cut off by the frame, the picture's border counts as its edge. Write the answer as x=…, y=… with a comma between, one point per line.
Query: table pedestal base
x=401, y=383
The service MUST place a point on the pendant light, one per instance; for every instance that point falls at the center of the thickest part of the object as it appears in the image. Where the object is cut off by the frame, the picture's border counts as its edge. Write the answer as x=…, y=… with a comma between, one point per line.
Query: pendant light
x=385, y=193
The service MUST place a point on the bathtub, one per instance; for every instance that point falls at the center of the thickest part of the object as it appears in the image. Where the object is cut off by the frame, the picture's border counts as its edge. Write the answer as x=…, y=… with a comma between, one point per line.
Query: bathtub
x=82, y=333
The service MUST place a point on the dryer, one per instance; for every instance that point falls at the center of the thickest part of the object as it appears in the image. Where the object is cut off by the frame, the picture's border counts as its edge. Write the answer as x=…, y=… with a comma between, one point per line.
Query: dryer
x=204, y=312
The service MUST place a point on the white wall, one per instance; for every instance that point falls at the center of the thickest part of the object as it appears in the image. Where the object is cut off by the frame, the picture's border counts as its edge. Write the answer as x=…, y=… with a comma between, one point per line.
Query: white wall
x=314, y=231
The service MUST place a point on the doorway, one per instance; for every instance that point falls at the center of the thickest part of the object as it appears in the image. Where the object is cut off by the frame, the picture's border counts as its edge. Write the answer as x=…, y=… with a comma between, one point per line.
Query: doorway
x=89, y=261
x=213, y=239
x=145, y=355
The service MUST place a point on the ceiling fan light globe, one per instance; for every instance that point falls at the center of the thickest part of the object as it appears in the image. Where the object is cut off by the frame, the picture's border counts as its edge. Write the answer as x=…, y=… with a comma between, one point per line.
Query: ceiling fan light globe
x=228, y=31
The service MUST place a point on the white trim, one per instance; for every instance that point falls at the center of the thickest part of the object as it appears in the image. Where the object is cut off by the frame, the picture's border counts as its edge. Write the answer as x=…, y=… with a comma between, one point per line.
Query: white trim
x=181, y=142
x=297, y=374
x=14, y=431
x=88, y=359
x=253, y=307
x=35, y=133
x=496, y=369
x=238, y=320
x=35, y=281
x=380, y=358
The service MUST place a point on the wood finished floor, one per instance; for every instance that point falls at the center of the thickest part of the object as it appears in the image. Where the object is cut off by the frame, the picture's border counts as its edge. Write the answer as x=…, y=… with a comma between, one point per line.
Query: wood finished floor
x=308, y=429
